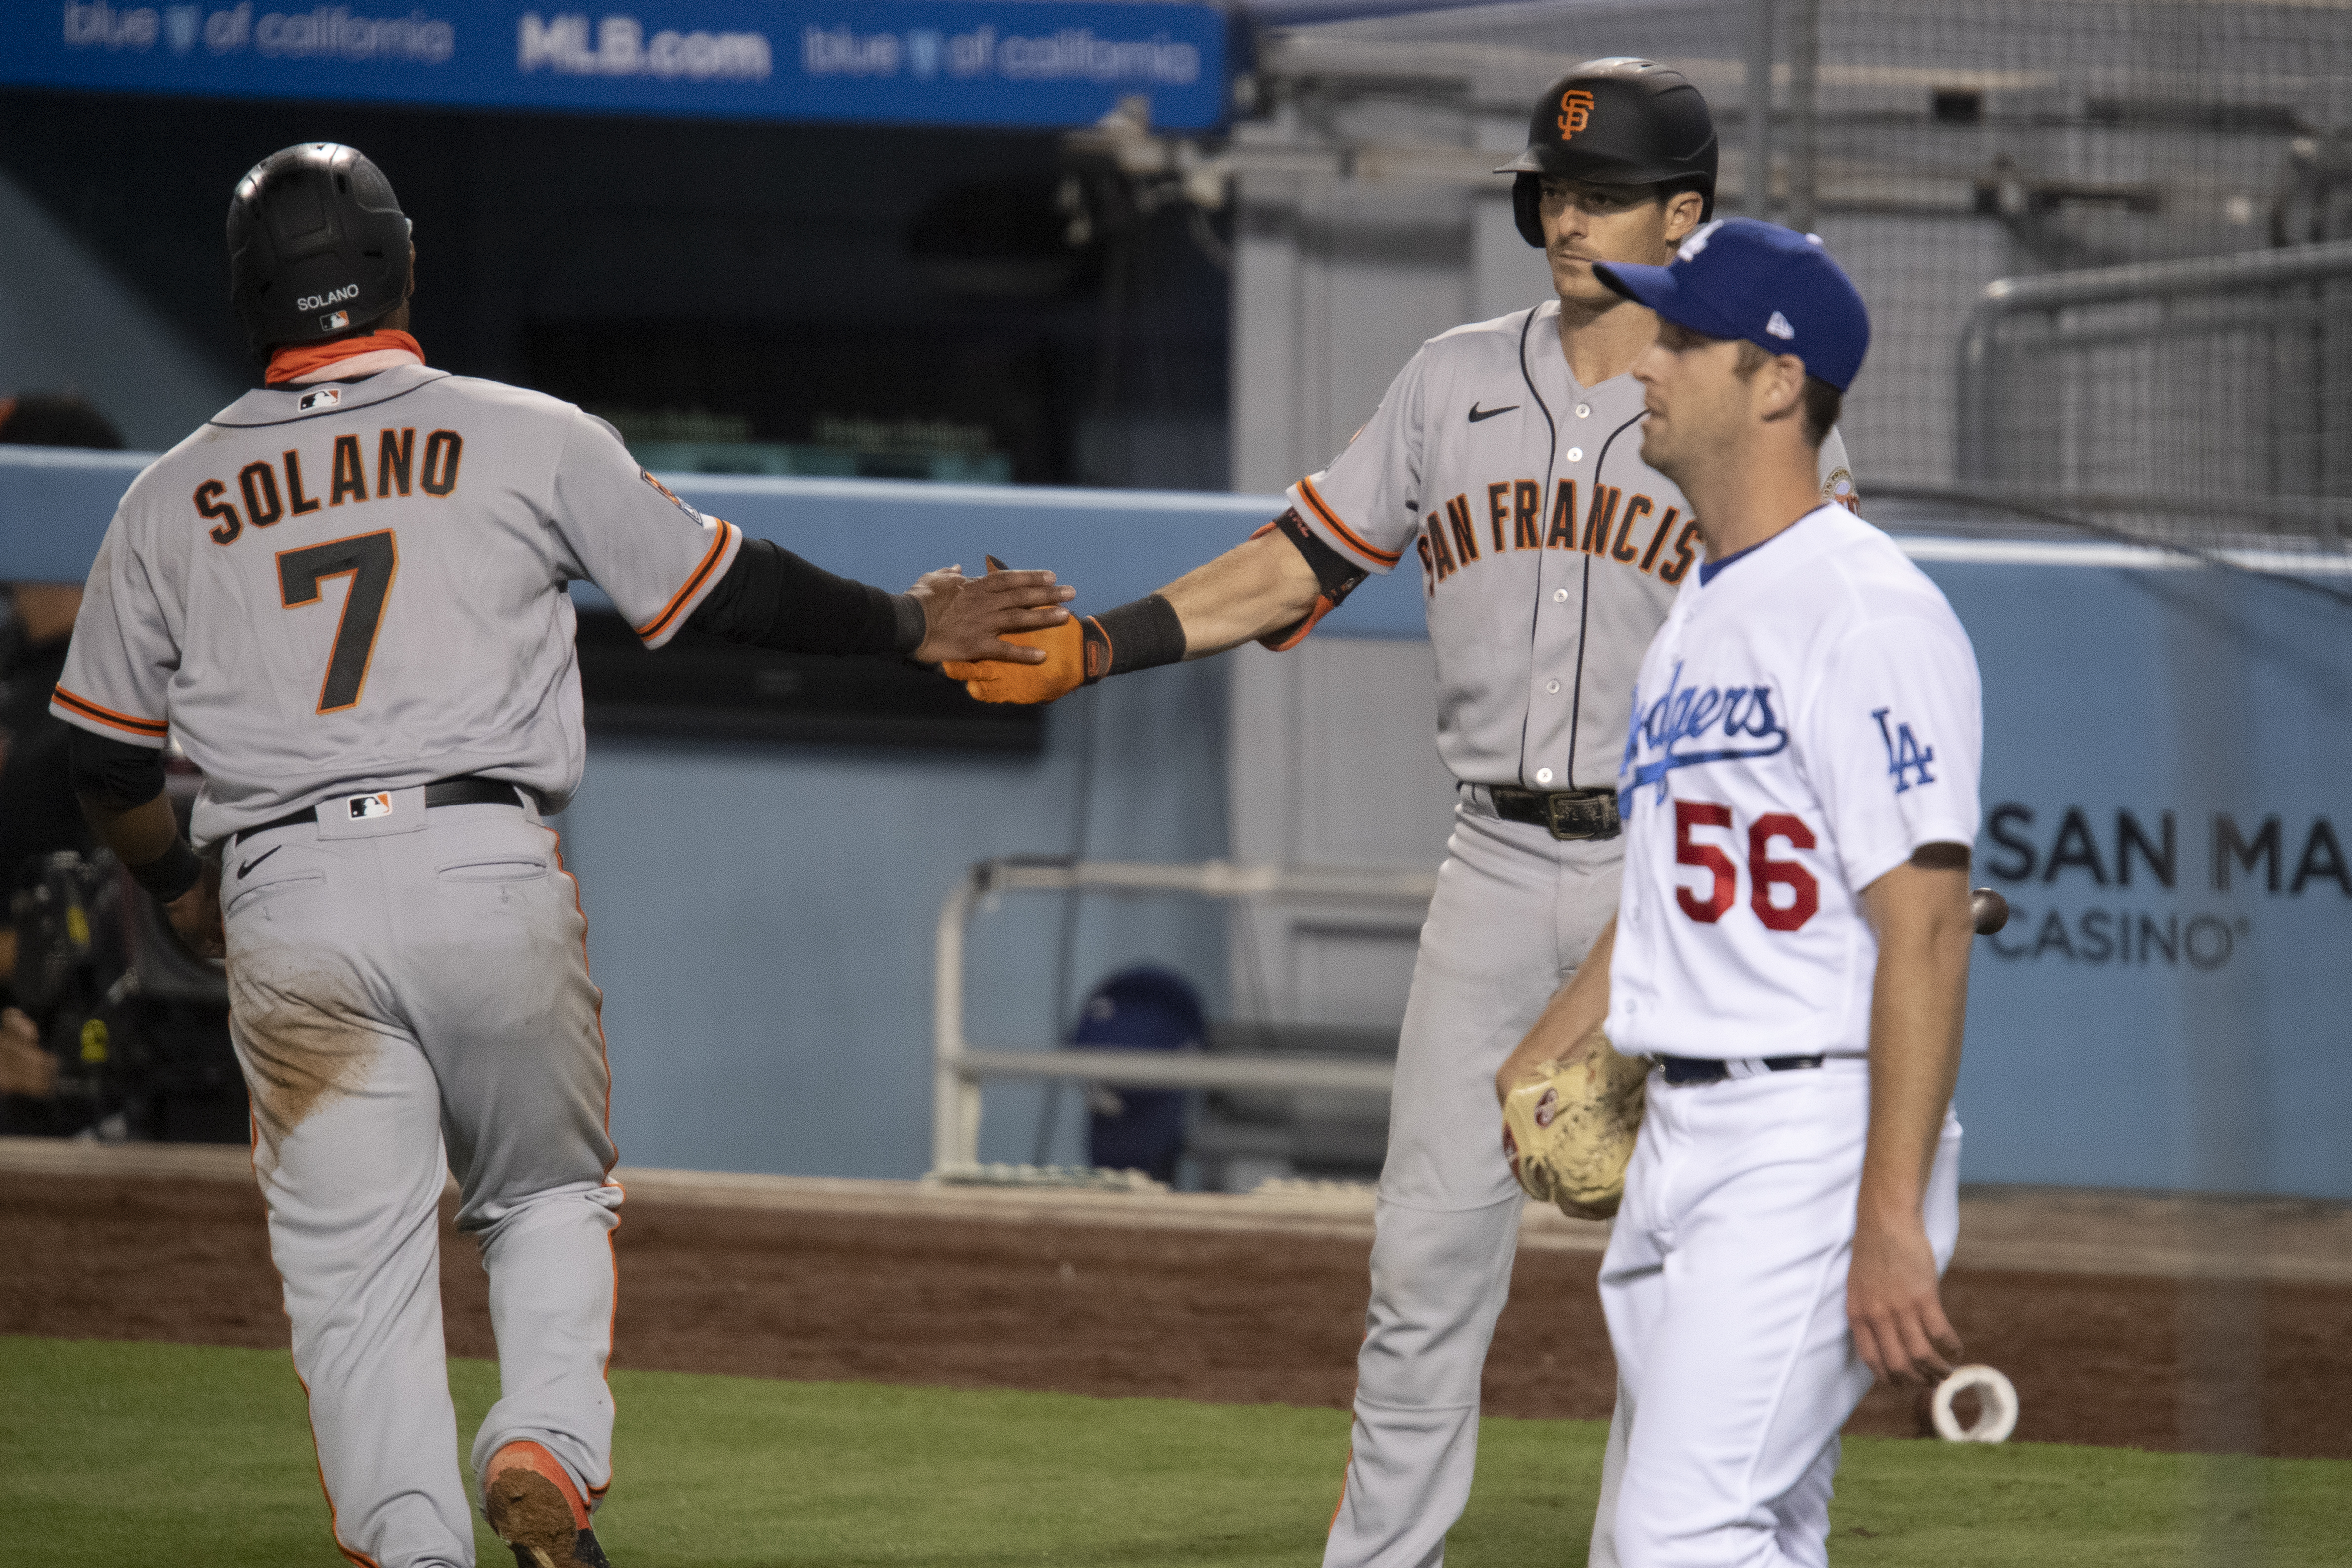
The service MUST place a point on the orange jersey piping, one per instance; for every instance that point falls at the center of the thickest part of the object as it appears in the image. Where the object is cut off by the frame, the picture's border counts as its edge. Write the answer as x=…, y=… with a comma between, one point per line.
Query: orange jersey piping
x=1348, y=536
x=153, y=729
x=685, y=598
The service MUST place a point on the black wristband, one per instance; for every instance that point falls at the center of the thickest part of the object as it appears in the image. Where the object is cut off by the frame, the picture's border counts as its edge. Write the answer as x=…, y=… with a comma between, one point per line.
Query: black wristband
x=1135, y=635
x=169, y=874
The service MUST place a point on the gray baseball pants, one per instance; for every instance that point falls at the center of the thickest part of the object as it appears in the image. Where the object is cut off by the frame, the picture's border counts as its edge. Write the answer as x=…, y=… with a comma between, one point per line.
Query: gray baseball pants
x=1514, y=913
x=409, y=994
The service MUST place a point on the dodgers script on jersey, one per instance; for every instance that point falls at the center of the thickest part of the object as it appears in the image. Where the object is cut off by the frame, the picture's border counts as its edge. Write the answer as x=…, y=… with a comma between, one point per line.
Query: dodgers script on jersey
x=1542, y=581
x=314, y=592
x=1802, y=723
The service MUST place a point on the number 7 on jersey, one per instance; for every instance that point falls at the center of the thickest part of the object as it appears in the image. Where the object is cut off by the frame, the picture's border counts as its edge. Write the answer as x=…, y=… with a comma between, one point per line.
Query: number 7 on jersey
x=371, y=561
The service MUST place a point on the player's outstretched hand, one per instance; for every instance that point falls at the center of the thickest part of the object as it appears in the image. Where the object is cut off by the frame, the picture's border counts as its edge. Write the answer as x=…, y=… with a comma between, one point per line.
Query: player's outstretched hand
x=196, y=915
x=966, y=618
x=1892, y=1306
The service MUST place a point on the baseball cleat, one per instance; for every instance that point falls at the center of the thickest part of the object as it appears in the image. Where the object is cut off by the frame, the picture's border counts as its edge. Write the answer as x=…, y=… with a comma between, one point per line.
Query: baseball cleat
x=535, y=1508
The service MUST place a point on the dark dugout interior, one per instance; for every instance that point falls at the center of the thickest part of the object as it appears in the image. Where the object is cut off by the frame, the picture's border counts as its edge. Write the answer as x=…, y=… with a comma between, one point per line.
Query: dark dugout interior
x=896, y=291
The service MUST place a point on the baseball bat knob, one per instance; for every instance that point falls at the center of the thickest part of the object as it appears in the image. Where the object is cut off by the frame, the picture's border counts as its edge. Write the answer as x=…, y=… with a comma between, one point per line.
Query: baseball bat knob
x=1989, y=910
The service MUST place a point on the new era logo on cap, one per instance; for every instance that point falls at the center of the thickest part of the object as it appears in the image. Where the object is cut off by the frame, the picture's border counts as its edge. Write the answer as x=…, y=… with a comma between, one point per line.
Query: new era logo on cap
x=1742, y=278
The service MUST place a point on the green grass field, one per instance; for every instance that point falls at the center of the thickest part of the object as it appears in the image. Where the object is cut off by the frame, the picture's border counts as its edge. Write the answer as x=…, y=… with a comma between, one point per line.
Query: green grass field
x=117, y=1453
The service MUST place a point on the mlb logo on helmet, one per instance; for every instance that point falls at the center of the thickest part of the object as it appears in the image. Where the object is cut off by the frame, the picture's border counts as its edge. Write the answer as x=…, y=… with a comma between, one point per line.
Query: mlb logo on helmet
x=1575, y=111
x=335, y=322
x=1743, y=278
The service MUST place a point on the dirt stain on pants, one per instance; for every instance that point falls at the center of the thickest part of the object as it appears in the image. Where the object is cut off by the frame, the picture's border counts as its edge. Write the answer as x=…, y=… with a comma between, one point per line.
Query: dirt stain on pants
x=304, y=1039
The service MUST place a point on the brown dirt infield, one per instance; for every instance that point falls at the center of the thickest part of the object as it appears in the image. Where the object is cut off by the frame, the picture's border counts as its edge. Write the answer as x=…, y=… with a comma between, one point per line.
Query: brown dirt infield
x=1101, y=1309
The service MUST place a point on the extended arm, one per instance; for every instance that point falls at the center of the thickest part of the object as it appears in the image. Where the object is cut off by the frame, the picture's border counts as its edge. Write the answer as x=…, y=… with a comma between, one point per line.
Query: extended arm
x=1575, y=1010
x=771, y=598
x=1262, y=585
x=121, y=788
x=1271, y=588
x=1920, y=913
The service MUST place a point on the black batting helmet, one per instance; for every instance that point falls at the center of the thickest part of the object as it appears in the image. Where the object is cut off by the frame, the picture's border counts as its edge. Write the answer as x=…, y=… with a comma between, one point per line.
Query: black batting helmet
x=316, y=245
x=1620, y=121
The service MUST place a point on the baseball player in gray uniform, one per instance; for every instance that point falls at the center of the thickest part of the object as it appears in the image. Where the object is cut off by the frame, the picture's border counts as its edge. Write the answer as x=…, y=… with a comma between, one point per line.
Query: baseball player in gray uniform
x=344, y=597
x=1505, y=462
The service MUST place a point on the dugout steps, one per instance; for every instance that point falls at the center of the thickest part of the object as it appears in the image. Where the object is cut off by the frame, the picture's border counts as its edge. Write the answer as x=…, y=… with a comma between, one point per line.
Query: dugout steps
x=2034, y=1230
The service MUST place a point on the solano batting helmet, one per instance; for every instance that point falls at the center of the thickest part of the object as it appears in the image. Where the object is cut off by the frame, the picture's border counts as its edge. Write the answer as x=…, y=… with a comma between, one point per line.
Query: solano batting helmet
x=316, y=245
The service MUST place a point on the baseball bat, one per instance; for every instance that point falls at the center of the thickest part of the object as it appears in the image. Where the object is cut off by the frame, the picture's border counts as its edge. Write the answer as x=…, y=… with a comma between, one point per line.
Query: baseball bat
x=1989, y=910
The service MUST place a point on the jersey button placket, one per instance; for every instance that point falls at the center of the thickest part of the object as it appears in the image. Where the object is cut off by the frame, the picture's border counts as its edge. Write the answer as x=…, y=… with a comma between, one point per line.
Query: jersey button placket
x=1555, y=644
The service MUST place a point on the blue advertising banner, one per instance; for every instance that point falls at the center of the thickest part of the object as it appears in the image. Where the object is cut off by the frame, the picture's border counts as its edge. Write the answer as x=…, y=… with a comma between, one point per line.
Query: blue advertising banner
x=1033, y=63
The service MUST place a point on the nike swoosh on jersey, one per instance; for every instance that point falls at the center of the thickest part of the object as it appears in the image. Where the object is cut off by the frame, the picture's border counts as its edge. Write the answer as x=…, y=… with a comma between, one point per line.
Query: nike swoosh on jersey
x=1476, y=413
x=258, y=860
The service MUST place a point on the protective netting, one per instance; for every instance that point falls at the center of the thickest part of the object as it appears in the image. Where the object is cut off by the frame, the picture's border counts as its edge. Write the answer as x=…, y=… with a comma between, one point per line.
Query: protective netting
x=2091, y=149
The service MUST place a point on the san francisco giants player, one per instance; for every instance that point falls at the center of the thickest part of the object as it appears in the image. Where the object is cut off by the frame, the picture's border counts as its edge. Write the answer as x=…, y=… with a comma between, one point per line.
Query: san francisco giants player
x=1799, y=790
x=345, y=598
x=1505, y=462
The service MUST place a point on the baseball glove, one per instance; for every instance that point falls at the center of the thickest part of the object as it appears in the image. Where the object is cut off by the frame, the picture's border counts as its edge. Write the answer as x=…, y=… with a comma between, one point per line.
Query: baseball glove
x=1569, y=1131
x=1067, y=667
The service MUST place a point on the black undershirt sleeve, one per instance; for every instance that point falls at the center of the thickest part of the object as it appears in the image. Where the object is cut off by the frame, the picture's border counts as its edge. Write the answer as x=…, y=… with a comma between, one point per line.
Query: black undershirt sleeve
x=771, y=598
x=113, y=772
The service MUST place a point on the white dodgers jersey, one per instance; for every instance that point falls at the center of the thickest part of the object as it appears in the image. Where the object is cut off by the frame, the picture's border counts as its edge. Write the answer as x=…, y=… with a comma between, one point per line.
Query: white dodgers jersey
x=1805, y=719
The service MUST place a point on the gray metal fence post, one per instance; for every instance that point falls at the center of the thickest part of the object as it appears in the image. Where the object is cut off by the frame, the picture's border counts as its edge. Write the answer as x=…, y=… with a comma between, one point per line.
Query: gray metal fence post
x=1756, y=182
x=1804, y=120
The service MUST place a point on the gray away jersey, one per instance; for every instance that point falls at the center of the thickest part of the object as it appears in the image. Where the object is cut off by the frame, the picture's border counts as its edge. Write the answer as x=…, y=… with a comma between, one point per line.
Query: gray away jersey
x=357, y=586
x=1549, y=551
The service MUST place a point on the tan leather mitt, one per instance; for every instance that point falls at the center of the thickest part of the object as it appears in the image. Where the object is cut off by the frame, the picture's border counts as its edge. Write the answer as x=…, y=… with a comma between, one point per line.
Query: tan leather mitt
x=1568, y=1131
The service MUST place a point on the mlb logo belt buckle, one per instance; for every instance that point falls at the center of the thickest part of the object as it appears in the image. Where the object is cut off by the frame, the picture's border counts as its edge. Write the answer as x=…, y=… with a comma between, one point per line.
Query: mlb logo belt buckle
x=1581, y=814
x=362, y=807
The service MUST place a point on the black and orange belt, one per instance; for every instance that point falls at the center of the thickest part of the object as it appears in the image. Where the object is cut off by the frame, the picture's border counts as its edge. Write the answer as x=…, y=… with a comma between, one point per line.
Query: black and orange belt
x=466, y=791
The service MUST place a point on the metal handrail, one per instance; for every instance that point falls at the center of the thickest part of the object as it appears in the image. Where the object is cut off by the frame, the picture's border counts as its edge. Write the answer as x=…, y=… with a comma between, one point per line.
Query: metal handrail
x=2150, y=279
x=957, y=1069
x=2009, y=296
x=2316, y=512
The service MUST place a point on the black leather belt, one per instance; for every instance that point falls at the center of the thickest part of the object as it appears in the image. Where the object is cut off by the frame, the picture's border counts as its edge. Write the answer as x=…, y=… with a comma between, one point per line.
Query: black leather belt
x=467, y=790
x=1566, y=813
x=1683, y=1070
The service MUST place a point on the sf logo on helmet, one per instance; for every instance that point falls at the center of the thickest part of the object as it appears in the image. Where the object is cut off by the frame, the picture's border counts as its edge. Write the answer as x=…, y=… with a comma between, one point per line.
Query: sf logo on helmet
x=1575, y=111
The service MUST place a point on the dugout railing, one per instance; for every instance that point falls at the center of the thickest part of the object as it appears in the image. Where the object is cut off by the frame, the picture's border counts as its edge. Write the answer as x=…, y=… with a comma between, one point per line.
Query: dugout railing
x=958, y=1068
x=2200, y=402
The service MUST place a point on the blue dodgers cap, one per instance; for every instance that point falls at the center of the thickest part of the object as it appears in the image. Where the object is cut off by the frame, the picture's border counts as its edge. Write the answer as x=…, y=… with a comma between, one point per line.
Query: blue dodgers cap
x=1742, y=277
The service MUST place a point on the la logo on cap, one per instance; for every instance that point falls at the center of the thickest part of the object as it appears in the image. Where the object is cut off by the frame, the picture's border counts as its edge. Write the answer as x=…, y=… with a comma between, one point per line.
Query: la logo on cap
x=1779, y=327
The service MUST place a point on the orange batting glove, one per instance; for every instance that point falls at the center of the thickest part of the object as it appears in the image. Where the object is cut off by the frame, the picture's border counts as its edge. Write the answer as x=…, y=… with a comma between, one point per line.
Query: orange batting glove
x=1073, y=659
